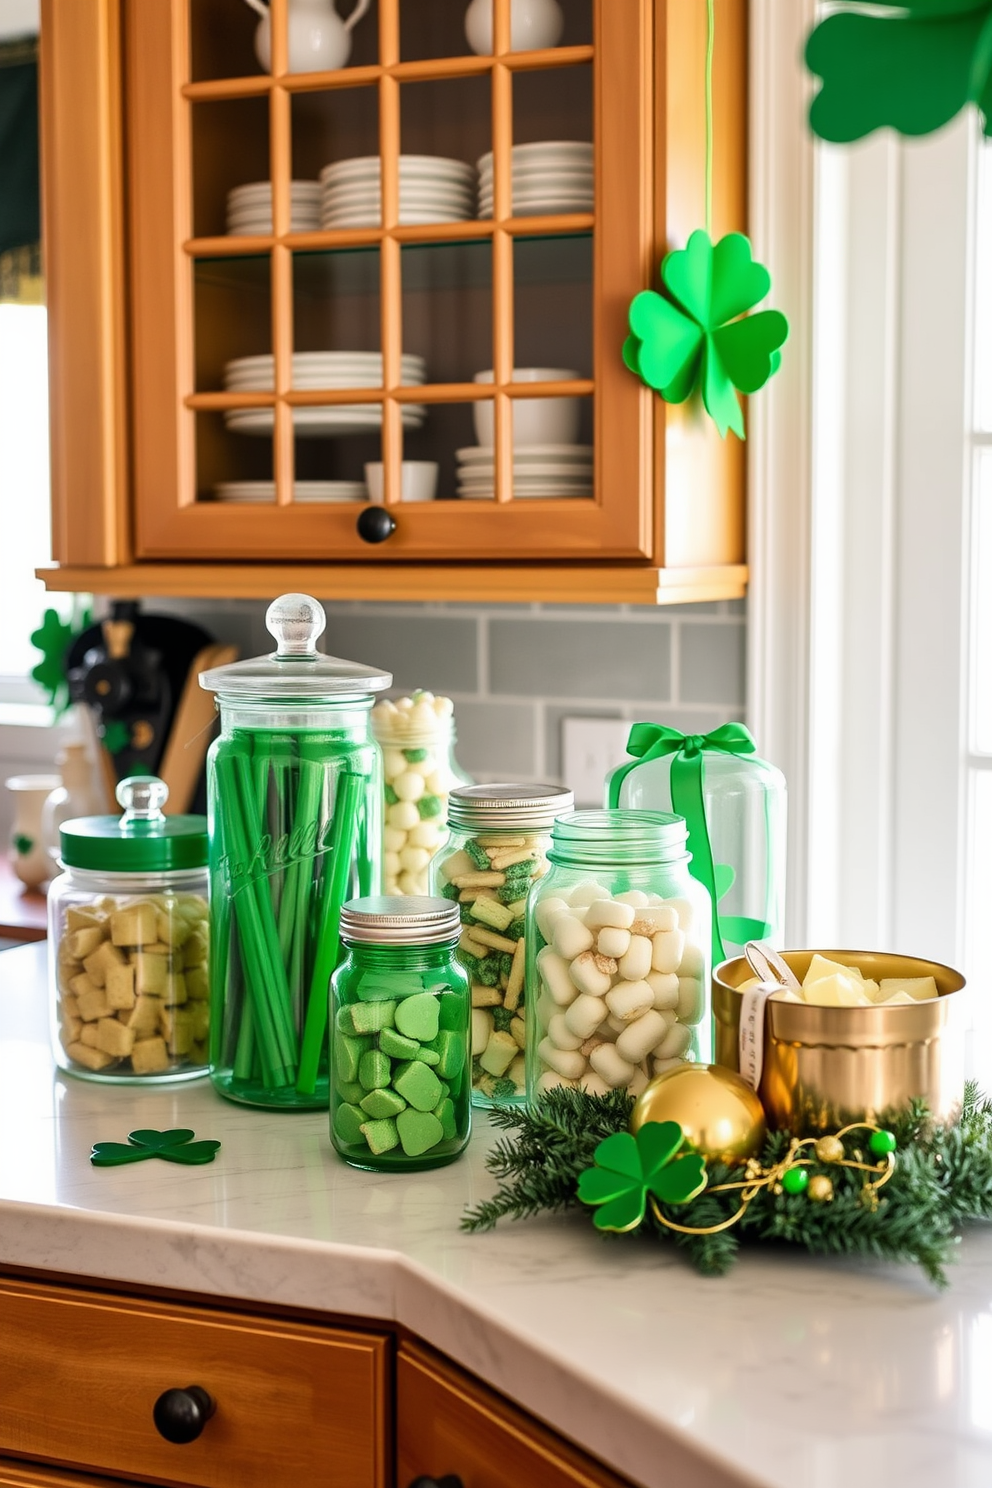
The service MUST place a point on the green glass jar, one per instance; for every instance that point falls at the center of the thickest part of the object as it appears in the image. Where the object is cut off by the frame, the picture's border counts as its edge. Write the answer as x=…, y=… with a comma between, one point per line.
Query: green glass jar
x=400, y=1018
x=294, y=799
x=618, y=954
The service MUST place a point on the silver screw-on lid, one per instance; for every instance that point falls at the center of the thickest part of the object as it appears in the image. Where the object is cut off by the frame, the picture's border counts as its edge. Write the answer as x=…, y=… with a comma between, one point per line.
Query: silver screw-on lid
x=520, y=808
x=413, y=921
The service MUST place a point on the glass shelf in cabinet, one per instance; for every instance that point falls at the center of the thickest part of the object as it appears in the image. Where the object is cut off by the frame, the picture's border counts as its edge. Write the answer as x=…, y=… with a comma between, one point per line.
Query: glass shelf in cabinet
x=232, y=320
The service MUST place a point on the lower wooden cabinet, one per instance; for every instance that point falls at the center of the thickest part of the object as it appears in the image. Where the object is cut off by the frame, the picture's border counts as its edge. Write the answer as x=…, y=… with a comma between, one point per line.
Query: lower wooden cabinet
x=293, y=1403
x=448, y=1426
x=284, y=1404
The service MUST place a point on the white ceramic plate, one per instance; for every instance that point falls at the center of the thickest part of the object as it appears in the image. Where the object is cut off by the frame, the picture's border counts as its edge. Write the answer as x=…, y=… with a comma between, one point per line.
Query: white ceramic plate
x=264, y=188
x=303, y=492
x=483, y=475
x=521, y=495
x=525, y=173
x=482, y=454
x=418, y=200
x=346, y=418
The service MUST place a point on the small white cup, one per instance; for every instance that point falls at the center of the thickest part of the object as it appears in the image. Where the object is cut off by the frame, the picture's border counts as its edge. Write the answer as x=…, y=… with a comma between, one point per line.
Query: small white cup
x=418, y=480
x=535, y=420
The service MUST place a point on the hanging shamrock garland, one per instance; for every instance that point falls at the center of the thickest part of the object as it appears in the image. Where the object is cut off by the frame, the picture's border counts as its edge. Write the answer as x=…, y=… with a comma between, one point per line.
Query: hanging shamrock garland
x=698, y=336
x=914, y=69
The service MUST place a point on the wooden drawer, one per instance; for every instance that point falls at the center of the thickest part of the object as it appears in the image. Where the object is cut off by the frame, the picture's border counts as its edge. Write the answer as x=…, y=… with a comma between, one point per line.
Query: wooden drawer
x=447, y=1424
x=295, y=1404
x=17, y=1475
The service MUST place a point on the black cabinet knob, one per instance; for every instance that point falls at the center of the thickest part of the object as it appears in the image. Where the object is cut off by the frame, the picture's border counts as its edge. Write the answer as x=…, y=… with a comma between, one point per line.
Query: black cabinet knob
x=448, y=1481
x=375, y=524
x=180, y=1415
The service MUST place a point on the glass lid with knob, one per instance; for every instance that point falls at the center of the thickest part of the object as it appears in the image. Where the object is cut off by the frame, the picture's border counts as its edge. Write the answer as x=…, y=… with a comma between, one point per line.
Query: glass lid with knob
x=143, y=840
x=296, y=670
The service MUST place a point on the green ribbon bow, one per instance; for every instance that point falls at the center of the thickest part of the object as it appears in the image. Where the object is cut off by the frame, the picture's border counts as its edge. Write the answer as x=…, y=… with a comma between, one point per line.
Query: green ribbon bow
x=655, y=740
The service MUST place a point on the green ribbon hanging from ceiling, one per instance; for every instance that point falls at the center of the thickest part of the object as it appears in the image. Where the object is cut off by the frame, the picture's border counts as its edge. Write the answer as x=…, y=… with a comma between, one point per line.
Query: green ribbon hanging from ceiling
x=655, y=741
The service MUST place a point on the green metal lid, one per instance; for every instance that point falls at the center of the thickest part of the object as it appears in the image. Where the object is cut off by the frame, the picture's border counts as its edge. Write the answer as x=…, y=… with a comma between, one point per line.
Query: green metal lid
x=143, y=840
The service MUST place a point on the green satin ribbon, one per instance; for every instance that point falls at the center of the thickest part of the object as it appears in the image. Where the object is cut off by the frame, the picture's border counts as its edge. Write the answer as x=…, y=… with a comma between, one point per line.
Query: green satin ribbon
x=654, y=741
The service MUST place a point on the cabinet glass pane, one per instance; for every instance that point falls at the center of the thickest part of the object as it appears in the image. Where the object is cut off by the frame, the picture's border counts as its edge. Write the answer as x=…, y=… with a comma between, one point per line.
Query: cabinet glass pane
x=330, y=464
x=449, y=118
x=554, y=103
x=453, y=28
x=448, y=428
x=330, y=128
x=234, y=456
x=230, y=148
x=222, y=40
x=448, y=307
x=336, y=304
x=552, y=303
x=232, y=319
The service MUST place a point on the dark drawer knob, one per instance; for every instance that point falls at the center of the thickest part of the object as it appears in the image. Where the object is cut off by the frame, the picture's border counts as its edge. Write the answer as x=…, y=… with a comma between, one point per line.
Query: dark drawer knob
x=448, y=1481
x=180, y=1415
x=375, y=524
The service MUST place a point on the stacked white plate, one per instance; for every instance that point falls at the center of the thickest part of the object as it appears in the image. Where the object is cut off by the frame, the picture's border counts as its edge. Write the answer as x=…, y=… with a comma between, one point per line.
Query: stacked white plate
x=552, y=176
x=432, y=189
x=539, y=471
x=321, y=369
x=249, y=208
x=303, y=491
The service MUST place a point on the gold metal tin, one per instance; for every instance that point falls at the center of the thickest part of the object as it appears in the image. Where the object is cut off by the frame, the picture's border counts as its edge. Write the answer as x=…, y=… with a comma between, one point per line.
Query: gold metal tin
x=826, y=1066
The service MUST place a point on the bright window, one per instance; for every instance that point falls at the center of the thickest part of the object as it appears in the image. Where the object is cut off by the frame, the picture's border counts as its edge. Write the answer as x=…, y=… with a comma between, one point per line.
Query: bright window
x=25, y=523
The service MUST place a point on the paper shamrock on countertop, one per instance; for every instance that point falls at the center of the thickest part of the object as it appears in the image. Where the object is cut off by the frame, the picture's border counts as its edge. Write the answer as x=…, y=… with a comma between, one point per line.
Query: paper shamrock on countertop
x=628, y=1168
x=914, y=69
x=176, y=1146
x=699, y=335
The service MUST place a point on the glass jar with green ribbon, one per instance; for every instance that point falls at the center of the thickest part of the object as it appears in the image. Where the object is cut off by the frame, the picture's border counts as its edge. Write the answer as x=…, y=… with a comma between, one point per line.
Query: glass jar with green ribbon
x=734, y=805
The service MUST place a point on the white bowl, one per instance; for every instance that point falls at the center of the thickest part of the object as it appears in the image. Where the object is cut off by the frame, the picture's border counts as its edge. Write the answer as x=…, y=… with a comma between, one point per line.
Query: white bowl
x=418, y=480
x=535, y=420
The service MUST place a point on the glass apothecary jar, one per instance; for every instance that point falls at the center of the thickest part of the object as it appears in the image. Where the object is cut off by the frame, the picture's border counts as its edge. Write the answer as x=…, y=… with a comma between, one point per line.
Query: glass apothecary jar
x=496, y=850
x=400, y=1087
x=129, y=940
x=618, y=958
x=294, y=791
x=417, y=737
x=734, y=805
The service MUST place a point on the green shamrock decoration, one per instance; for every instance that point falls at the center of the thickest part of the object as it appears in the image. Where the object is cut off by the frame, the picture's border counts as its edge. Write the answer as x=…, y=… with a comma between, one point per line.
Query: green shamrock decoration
x=172, y=1146
x=914, y=69
x=700, y=336
x=629, y=1167
x=115, y=735
x=53, y=638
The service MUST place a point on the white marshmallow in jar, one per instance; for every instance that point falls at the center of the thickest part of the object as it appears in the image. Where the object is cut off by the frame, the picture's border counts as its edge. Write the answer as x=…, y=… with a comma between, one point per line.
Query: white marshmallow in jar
x=496, y=853
x=618, y=966
x=417, y=737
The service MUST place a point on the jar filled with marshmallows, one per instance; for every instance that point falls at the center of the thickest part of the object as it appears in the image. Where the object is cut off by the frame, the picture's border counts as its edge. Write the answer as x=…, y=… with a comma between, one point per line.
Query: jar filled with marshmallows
x=618, y=955
x=417, y=738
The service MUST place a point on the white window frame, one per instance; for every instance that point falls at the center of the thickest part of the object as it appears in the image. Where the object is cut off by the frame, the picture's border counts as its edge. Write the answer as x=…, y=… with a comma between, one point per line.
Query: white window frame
x=859, y=477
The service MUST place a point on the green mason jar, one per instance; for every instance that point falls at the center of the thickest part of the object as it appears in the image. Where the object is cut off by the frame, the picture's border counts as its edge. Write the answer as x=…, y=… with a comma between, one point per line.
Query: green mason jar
x=400, y=1019
x=618, y=955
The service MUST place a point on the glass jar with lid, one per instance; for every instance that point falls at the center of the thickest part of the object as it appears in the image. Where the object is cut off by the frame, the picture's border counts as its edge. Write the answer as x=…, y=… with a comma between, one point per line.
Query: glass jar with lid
x=496, y=850
x=400, y=1086
x=417, y=736
x=618, y=961
x=129, y=941
x=294, y=790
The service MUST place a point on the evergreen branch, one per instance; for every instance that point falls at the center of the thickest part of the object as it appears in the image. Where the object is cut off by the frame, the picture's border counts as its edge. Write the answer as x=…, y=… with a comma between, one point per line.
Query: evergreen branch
x=942, y=1180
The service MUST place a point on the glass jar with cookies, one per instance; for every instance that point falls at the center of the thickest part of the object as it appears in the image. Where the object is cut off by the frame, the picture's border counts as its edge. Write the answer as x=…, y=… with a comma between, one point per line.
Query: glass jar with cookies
x=128, y=936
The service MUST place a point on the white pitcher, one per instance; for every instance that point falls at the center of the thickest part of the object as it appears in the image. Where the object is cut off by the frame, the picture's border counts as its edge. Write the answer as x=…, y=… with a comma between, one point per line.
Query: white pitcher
x=533, y=24
x=319, y=40
x=31, y=862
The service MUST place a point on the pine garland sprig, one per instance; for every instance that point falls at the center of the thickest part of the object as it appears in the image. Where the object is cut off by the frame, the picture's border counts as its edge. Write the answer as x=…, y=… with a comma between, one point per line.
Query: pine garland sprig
x=942, y=1180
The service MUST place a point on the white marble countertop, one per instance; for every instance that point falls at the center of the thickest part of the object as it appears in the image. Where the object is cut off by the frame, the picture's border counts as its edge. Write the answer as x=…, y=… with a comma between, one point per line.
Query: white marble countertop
x=789, y=1373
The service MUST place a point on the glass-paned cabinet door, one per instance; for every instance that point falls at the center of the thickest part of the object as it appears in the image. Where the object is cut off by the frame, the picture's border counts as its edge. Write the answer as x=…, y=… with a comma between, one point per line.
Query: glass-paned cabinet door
x=382, y=252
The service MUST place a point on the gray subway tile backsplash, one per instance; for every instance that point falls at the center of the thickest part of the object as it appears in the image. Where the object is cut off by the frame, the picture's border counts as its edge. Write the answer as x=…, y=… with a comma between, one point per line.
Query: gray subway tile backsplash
x=516, y=671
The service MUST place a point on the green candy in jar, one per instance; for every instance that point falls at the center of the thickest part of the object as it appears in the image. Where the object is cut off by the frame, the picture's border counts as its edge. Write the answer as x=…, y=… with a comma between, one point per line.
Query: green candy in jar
x=496, y=851
x=400, y=1091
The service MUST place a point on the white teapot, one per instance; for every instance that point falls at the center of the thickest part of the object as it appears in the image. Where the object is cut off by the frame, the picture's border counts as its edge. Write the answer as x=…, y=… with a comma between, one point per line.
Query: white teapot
x=319, y=40
x=533, y=24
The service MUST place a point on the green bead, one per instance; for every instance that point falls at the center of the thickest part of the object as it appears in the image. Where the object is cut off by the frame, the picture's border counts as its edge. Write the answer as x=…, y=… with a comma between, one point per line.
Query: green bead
x=882, y=1143
x=795, y=1180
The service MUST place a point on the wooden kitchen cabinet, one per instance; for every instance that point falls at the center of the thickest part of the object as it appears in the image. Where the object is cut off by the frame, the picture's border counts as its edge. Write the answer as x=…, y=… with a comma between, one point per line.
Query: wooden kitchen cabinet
x=154, y=109
x=294, y=1402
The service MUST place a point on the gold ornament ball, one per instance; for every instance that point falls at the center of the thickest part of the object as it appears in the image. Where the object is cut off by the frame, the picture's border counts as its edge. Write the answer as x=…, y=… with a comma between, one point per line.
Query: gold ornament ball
x=830, y=1149
x=821, y=1188
x=719, y=1113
